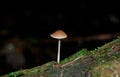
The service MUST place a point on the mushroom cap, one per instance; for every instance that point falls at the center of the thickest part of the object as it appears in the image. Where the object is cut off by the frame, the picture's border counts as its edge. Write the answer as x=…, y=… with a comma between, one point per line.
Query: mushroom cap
x=59, y=34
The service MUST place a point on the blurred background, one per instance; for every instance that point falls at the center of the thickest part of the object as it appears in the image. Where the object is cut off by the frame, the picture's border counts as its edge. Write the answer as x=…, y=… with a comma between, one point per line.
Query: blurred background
x=25, y=40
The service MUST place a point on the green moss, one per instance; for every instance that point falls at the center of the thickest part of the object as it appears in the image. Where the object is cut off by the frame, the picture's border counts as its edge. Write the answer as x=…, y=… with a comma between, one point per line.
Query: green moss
x=35, y=70
x=80, y=53
x=15, y=74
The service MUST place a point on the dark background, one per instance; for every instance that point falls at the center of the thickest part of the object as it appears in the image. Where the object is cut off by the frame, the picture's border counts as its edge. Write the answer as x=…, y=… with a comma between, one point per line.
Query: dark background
x=81, y=21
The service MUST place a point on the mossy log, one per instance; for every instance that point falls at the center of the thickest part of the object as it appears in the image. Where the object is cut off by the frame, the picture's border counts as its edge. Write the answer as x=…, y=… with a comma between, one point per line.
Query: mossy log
x=103, y=61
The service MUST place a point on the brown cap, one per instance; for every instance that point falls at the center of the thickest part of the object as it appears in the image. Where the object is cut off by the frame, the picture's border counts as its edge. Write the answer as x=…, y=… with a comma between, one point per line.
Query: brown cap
x=59, y=34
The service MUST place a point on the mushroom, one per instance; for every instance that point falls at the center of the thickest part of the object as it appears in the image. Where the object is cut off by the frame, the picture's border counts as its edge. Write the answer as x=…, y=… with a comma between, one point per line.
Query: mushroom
x=59, y=34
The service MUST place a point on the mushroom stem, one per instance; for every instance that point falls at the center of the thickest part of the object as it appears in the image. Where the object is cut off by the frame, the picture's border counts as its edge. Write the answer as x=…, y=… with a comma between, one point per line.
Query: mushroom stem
x=58, y=55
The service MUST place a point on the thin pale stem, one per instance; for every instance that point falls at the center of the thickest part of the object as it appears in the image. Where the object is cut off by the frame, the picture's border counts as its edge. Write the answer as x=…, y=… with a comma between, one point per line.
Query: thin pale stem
x=58, y=55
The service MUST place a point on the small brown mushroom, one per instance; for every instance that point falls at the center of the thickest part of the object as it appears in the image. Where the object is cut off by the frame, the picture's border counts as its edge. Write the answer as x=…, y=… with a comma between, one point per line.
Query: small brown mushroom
x=59, y=34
